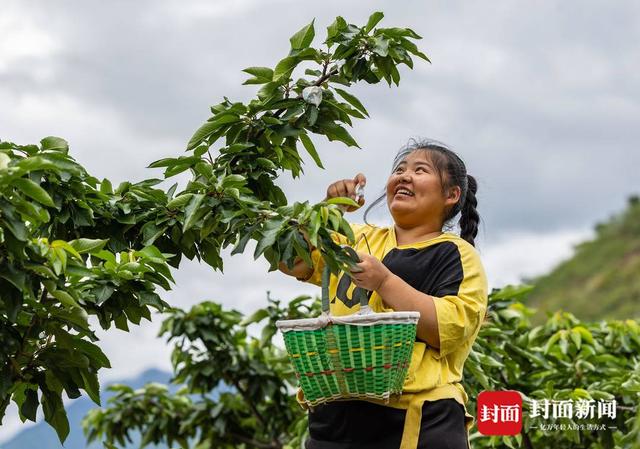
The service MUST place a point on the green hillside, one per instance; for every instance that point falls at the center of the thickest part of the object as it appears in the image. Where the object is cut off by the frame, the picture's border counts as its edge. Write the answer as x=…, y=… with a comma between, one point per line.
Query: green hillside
x=602, y=279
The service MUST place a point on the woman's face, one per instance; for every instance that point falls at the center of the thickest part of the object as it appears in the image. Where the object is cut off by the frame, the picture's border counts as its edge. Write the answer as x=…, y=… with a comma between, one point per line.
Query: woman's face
x=425, y=202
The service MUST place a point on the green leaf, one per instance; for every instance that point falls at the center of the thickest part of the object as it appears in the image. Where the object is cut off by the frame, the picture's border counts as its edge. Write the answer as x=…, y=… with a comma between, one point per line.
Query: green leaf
x=91, y=385
x=353, y=101
x=400, y=32
x=266, y=163
x=268, y=91
x=271, y=120
x=260, y=72
x=311, y=149
x=41, y=270
x=191, y=211
x=4, y=160
x=381, y=46
x=83, y=246
x=347, y=231
x=55, y=414
x=564, y=344
x=33, y=190
x=54, y=143
x=312, y=115
x=341, y=200
x=179, y=201
x=36, y=163
x=303, y=38
x=333, y=29
x=164, y=162
x=262, y=75
x=65, y=298
x=152, y=254
x=267, y=334
x=413, y=48
x=151, y=232
x=576, y=337
x=237, y=147
x=373, y=21
x=337, y=132
x=242, y=242
x=285, y=67
x=256, y=317
x=61, y=244
x=269, y=235
x=102, y=293
x=151, y=299
x=106, y=187
x=13, y=223
x=15, y=276
x=209, y=128
x=29, y=407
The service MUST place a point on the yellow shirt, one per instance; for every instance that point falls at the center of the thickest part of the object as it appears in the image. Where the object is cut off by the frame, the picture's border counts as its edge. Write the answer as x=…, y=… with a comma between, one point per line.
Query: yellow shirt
x=445, y=267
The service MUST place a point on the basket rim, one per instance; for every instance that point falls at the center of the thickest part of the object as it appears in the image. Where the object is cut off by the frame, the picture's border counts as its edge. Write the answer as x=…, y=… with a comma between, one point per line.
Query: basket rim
x=356, y=319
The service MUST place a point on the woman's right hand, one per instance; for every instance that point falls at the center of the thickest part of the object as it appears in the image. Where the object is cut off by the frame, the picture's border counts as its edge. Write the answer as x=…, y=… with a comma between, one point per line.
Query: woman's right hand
x=347, y=188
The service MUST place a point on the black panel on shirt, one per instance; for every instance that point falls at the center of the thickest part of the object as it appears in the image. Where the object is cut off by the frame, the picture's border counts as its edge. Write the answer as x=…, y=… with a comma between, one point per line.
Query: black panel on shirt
x=435, y=270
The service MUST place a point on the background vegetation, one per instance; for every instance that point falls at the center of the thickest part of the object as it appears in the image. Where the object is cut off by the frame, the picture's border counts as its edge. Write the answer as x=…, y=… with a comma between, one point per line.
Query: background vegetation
x=601, y=279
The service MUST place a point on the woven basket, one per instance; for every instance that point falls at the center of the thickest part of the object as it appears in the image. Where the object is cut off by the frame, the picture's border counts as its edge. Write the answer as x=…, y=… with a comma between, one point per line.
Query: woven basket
x=364, y=355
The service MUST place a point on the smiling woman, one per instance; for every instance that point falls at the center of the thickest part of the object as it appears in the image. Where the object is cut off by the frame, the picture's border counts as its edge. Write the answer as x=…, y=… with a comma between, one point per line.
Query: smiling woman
x=412, y=265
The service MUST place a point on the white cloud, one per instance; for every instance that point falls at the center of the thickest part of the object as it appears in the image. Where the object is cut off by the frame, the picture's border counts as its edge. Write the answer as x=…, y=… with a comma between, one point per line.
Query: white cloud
x=206, y=10
x=23, y=40
x=521, y=255
x=97, y=134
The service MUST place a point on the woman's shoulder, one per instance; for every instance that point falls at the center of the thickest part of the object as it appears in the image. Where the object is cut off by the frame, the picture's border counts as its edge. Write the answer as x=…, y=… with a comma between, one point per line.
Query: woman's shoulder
x=468, y=256
x=459, y=242
x=454, y=247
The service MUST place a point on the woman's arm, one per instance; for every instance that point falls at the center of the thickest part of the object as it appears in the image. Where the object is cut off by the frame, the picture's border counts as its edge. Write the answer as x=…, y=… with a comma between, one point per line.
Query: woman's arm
x=400, y=296
x=448, y=319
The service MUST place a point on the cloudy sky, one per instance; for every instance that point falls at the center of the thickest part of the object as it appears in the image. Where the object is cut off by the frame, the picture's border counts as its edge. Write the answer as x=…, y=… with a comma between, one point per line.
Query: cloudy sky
x=541, y=100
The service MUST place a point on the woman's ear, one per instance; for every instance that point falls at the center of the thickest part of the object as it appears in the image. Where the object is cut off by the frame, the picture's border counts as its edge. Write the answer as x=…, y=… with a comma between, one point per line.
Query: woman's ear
x=453, y=195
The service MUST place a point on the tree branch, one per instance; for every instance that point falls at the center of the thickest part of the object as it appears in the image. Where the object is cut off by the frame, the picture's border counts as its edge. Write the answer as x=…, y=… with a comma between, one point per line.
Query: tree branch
x=256, y=443
x=254, y=409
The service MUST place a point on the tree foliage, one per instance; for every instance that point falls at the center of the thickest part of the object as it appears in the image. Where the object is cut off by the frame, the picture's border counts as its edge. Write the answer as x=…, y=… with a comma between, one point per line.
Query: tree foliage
x=73, y=246
x=237, y=389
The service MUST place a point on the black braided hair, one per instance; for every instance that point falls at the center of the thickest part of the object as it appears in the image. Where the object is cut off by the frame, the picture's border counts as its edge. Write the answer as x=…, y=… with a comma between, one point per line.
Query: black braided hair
x=470, y=218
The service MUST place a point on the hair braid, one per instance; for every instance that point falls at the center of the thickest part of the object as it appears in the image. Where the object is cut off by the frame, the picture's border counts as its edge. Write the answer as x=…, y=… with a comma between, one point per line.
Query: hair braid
x=470, y=218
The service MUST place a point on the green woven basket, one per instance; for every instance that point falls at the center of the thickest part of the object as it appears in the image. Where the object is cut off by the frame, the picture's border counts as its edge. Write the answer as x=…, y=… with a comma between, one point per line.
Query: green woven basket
x=364, y=355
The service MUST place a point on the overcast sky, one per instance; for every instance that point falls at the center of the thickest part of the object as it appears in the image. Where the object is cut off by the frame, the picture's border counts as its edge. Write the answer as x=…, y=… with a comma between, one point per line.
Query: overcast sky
x=541, y=100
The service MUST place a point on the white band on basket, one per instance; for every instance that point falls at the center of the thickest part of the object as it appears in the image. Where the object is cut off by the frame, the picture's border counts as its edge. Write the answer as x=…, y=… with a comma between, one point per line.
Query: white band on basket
x=368, y=319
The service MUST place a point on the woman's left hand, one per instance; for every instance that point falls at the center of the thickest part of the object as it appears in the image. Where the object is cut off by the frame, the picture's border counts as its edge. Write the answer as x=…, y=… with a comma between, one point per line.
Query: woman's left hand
x=373, y=272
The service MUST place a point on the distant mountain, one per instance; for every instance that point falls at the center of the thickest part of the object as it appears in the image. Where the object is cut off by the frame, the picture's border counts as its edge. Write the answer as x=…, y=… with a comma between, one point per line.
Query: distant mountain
x=42, y=436
x=602, y=279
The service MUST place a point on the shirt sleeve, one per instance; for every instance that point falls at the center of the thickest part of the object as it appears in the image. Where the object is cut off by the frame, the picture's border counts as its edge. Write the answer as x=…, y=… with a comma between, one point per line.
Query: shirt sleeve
x=460, y=299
